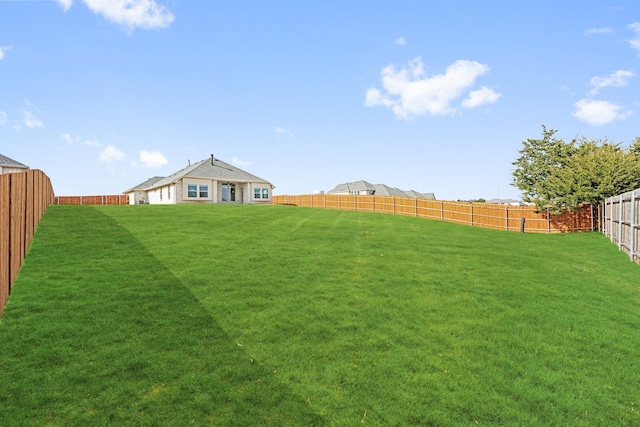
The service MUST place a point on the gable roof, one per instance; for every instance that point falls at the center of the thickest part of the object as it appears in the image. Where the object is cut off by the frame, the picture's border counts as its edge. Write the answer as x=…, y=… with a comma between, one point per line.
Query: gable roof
x=209, y=168
x=417, y=195
x=385, y=190
x=144, y=185
x=379, y=190
x=6, y=161
x=353, y=186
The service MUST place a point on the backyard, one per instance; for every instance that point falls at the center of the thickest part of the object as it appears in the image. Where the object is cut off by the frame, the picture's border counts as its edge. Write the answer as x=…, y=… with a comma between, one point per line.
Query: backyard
x=280, y=315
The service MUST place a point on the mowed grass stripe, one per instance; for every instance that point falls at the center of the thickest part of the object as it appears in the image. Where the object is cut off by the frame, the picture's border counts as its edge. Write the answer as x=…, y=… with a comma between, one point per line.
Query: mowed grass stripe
x=398, y=321
x=99, y=332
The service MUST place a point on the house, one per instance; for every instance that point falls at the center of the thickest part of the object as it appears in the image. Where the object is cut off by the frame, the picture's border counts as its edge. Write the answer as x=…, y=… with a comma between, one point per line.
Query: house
x=8, y=165
x=361, y=188
x=364, y=188
x=208, y=181
x=510, y=202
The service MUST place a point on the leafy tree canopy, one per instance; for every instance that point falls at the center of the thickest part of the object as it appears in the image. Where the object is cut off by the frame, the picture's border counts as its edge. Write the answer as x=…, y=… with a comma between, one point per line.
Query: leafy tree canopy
x=557, y=175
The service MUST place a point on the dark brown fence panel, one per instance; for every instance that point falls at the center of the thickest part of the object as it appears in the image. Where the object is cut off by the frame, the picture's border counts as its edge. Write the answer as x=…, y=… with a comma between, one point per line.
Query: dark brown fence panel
x=501, y=217
x=5, y=225
x=24, y=196
x=17, y=217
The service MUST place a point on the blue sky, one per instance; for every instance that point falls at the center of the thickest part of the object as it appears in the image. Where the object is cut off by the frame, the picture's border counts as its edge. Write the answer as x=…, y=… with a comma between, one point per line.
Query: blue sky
x=433, y=96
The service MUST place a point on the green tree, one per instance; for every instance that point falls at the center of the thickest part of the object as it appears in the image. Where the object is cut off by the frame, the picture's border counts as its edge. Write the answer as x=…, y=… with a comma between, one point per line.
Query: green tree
x=556, y=175
x=595, y=171
x=539, y=160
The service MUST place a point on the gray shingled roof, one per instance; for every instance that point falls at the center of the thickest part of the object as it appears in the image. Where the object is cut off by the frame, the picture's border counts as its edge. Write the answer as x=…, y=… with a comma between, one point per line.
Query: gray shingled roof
x=147, y=184
x=416, y=194
x=6, y=161
x=353, y=186
x=379, y=190
x=209, y=168
x=385, y=190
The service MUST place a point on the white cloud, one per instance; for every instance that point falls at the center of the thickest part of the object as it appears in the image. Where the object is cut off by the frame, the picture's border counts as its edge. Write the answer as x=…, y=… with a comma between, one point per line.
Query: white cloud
x=71, y=140
x=146, y=14
x=65, y=4
x=3, y=51
x=592, y=31
x=74, y=140
x=635, y=42
x=410, y=92
x=618, y=78
x=237, y=161
x=111, y=154
x=30, y=120
x=283, y=131
x=92, y=143
x=401, y=41
x=152, y=159
x=480, y=97
x=599, y=112
x=3, y=118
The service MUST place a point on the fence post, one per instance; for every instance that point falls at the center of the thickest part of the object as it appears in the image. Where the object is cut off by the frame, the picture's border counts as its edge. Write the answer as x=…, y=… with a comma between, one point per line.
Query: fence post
x=441, y=210
x=471, y=212
x=632, y=226
x=548, y=222
x=506, y=216
x=620, y=223
x=415, y=209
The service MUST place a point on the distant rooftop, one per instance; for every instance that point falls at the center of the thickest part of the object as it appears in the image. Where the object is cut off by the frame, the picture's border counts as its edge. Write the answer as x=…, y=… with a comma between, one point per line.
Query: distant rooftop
x=8, y=162
x=378, y=190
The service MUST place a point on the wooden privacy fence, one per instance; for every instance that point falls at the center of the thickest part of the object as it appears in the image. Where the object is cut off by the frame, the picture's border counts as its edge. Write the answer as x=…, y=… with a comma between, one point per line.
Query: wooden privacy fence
x=502, y=217
x=24, y=196
x=117, y=199
x=620, y=222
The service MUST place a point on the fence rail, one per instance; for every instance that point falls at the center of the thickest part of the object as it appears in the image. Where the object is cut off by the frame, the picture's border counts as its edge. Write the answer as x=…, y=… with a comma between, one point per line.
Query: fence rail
x=621, y=224
x=24, y=196
x=117, y=199
x=502, y=217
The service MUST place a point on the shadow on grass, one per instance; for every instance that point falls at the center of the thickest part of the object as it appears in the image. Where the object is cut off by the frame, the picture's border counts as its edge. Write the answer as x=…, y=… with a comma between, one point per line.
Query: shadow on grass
x=132, y=346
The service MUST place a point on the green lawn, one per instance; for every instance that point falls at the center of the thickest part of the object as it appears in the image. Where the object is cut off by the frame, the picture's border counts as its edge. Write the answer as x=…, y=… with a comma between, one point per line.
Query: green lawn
x=277, y=315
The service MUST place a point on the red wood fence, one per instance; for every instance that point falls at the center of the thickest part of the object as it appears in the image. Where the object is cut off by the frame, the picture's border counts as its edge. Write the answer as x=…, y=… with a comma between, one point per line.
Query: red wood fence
x=117, y=199
x=503, y=217
x=24, y=196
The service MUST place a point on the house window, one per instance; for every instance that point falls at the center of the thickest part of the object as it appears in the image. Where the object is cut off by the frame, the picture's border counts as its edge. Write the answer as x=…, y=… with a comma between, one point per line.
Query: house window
x=192, y=190
x=265, y=193
x=204, y=191
x=256, y=193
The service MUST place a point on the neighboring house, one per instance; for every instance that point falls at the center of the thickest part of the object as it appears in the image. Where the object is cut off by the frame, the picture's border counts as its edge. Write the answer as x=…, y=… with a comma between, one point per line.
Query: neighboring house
x=510, y=202
x=361, y=188
x=208, y=181
x=8, y=165
x=364, y=188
